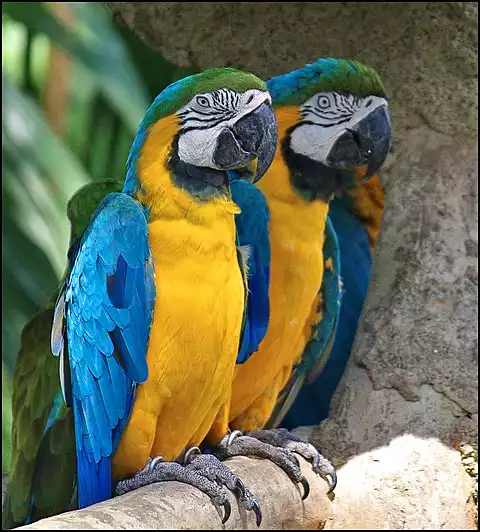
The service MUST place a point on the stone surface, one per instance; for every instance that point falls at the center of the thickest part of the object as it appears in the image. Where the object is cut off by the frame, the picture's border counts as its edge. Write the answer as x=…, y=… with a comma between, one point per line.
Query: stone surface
x=426, y=52
x=411, y=484
x=176, y=506
x=415, y=357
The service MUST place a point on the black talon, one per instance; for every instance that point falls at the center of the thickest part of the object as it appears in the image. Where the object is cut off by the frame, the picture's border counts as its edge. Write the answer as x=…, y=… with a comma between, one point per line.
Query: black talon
x=306, y=488
x=228, y=511
x=258, y=512
x=333, y=485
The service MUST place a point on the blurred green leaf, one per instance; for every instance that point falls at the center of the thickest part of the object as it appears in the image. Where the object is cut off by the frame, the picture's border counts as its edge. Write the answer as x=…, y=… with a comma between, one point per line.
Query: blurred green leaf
x=93, y=41
x=40, y=175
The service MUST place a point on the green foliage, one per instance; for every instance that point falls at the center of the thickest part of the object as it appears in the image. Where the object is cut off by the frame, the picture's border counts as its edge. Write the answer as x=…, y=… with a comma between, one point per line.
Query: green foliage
x=113, y=79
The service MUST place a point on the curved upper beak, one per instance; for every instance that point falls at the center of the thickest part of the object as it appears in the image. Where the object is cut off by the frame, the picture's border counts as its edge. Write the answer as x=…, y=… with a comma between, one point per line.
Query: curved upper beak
x=367, y=143
x=253, y=137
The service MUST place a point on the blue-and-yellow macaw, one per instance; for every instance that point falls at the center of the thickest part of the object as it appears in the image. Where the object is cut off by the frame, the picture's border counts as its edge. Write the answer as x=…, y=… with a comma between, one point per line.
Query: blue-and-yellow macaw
x=148, y=324
x=333, y=125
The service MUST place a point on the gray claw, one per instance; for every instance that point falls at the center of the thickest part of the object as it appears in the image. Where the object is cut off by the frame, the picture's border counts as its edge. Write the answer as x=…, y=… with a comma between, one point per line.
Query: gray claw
x=258, y=512
x=228, y=511
x=306, y=488
x=333, y=484
x=283, y=438
x=210, y=467
x=240, y=487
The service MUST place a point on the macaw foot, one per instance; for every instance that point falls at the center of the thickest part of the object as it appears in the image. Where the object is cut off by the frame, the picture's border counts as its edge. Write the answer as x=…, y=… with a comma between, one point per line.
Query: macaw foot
x=210, y=467
x=237, y=444
x=158, y=470
x=285, y=439
x=278, y=446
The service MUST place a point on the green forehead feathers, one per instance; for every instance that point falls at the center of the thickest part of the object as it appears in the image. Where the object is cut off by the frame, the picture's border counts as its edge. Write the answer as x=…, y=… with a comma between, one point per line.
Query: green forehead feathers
x=325, y=75
x=178, y=94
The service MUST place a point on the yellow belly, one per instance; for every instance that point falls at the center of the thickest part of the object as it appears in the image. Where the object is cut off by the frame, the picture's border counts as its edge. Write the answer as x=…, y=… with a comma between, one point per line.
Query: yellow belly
x=193, y=341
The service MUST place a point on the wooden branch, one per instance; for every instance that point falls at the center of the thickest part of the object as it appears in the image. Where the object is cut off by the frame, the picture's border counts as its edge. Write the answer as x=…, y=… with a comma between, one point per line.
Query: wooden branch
x=174, y=506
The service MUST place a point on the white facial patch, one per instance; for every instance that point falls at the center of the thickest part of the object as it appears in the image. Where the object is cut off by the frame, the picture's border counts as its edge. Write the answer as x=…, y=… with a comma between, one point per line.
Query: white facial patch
x=328, y=115
x=206, y=115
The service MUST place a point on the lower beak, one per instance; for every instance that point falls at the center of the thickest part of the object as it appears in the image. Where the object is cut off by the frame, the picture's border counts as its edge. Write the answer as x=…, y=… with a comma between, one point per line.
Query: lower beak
x=367, y=143
x=250, y=143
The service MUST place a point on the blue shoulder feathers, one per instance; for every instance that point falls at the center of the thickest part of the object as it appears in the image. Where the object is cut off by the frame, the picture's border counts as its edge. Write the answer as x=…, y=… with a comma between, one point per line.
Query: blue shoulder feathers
x=253, y=236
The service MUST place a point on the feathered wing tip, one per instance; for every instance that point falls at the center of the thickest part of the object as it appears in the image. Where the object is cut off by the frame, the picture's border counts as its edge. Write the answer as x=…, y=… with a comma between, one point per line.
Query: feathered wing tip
x=246, y=254
x=60, y=348
x=285, y=400
x=57, y=342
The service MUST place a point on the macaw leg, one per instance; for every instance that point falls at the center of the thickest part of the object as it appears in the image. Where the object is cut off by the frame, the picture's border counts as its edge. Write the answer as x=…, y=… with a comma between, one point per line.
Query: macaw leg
x=277, y=445
x=237, y=444
x=282, y=438
x=158, y=470
x=212, y=468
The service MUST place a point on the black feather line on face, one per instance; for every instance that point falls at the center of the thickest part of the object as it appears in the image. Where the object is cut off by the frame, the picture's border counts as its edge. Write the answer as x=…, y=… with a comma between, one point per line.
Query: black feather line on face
x=200, y=181
x=312, y=179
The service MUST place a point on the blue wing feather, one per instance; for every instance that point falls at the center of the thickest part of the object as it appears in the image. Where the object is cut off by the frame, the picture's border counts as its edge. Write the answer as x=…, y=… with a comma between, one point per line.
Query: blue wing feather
x=253, y=233
x=108, y=310
x=313, y=401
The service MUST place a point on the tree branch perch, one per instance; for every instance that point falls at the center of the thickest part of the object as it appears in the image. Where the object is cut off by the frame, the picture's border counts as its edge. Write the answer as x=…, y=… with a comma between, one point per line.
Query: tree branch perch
x=174, y=506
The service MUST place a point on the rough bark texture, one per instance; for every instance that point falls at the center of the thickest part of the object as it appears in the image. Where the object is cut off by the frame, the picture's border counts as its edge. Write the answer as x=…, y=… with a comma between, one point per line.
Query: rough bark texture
x=176, y=506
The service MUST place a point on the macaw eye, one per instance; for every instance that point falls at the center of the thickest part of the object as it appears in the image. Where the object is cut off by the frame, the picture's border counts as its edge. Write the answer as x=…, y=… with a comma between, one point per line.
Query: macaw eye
x=249, y=99
x=201, y=100
x=323, y=102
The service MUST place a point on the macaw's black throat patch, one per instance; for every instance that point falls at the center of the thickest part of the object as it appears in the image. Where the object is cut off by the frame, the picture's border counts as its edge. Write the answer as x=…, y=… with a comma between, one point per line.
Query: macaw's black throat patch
x=200, y=181
x=312, y=179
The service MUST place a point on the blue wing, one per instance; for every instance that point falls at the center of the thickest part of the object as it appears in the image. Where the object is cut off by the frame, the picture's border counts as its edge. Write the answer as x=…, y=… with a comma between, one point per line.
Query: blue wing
x=106, y=311
x=253, y=236
x=313, y=402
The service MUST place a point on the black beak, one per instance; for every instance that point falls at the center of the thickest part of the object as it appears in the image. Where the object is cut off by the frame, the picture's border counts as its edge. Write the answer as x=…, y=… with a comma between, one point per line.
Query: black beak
x=367, y=143
x=254, y=136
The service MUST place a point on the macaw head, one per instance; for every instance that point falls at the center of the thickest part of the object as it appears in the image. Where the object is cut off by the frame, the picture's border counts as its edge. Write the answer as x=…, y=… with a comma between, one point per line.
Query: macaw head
x=223, y=120
x=342, y=124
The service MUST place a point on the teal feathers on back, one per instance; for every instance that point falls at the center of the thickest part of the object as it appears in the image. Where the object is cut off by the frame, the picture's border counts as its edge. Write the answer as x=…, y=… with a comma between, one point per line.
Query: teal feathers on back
x=325, y=75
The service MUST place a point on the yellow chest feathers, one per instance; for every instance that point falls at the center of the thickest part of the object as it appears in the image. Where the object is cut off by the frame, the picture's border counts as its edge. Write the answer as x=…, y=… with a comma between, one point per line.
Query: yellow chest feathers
x=193, y=247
